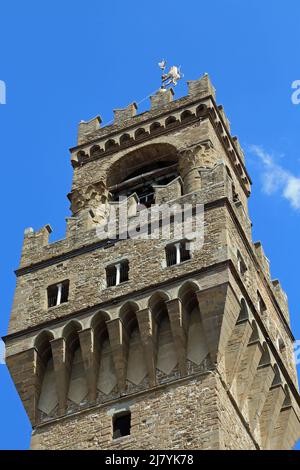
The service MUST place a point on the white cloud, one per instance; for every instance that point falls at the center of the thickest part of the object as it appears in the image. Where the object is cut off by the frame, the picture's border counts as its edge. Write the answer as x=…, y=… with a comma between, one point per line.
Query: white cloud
x=292, y=191
x=2, y=352
x=275, y=178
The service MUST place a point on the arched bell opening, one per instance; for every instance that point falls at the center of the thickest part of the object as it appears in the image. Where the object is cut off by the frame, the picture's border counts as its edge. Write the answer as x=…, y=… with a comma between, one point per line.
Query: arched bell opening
x=139, y=171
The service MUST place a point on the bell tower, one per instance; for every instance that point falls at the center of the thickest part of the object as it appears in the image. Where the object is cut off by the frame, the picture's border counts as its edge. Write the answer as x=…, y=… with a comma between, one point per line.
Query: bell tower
x=129, y=335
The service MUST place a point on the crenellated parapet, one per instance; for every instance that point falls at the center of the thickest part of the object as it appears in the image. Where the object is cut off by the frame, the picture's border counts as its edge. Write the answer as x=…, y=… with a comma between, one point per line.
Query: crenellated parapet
x=161, y=98
x=34, y=241
x=263, y=260
x=282, y=298
x=86, y=127
x=125, y=114
x=129, y=128
x=201, y=88
x=279, y=293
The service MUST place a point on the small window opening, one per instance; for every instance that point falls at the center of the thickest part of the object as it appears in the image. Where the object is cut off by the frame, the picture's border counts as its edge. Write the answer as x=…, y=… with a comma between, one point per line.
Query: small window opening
x=280, y=344
x=261, y=304
x=235, y=196
x=117, y=273
x=241, y=264
x=121, y=425
x=58, y=293
x=176, y=253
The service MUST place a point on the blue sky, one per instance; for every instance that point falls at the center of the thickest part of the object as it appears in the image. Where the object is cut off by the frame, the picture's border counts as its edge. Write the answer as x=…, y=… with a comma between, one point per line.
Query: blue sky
x=67, y=61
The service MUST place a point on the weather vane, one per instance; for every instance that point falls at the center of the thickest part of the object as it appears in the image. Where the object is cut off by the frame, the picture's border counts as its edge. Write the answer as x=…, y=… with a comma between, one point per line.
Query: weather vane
x=171, y=77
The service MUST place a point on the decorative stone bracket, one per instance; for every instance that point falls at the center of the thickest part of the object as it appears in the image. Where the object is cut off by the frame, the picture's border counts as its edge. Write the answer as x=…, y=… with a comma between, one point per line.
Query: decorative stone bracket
x=191, y=159
x=93, y=197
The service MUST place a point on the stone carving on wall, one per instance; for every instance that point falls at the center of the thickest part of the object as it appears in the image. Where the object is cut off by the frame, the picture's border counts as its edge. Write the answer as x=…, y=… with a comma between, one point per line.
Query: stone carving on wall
x=93, y=197
x=201, y=154
x=191, y=159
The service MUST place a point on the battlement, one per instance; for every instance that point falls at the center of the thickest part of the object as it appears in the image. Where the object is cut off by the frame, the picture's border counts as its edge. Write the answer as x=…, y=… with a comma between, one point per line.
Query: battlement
x=82, y=229
x=279, y=293
x=282, y=298
x=263, y=260
x=165, y=114
x=197, y=89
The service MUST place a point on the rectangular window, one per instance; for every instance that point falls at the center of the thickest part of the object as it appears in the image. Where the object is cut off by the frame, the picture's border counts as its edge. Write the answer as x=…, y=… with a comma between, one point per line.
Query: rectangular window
x=176, y=253
x=121, y=425
x=58, y=293
x=117, y=273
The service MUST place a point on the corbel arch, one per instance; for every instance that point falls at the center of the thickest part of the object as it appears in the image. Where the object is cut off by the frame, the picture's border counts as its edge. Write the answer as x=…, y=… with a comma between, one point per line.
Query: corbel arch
x=244, y=311
x=171, y=121
x=136, y=374
x=187, y=115
x=48, y=398
x=77, y=390
x=196, y=346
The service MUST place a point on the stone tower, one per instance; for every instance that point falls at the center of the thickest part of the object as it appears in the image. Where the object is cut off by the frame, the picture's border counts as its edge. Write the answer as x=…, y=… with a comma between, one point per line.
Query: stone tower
x=129, y=342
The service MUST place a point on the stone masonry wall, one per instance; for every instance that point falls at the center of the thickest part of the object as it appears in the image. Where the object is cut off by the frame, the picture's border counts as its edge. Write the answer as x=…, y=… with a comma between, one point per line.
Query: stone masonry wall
x=88, y=278
x=253, y=282
x=187, y=414
x=98, y=170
